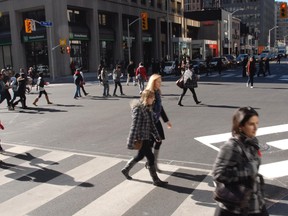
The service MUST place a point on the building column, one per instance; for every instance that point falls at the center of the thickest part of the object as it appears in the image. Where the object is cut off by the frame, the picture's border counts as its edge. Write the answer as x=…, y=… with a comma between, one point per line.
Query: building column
x=18, y=49
x=119, y=56
x=94, y=45
x=56, y=12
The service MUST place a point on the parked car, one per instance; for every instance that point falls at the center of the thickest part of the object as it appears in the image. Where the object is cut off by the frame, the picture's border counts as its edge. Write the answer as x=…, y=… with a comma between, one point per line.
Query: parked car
x=199, y=65
x=231, y=60
x=240, y=58
x=169, y=68
x=213, y=62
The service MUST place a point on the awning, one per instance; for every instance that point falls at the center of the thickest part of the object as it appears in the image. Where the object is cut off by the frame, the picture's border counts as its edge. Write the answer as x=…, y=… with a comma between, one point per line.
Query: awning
x=5, y=38
x=78, y=32
x=106, y=34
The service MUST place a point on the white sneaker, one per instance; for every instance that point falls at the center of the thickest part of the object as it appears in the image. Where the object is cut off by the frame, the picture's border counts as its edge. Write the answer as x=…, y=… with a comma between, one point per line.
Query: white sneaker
x=251, y=86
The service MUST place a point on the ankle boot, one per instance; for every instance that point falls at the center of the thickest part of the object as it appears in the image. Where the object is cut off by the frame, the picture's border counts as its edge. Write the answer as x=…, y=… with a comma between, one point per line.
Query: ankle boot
x=156, y=180
x=156, y=153
x=128, y=167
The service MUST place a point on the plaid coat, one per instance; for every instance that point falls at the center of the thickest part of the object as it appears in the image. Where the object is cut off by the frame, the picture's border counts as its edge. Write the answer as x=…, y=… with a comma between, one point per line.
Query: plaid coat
x=142, y=127
x=236, y=165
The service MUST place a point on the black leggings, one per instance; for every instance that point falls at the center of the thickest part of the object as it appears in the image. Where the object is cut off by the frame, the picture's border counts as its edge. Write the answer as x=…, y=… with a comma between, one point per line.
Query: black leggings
x=145, y=151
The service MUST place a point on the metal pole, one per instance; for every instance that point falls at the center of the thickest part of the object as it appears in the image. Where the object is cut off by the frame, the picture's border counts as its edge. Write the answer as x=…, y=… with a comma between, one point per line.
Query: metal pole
x=168, y=33
x=229, y=33
x=52, y=61
x=128, y=40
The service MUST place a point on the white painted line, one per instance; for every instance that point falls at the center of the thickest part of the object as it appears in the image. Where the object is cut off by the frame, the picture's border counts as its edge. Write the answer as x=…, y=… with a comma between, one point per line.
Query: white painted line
x=195, y=202
x=28, y=166
x=284, y=77
x=274, y=170
x=270, y=76
x=122, y=197
x=228, y=75
x=210, y=139
x=45, y=192
x=280, y=144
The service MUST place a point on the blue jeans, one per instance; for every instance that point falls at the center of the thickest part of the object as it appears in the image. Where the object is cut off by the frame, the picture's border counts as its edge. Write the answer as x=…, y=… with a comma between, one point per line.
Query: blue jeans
x=77, y=92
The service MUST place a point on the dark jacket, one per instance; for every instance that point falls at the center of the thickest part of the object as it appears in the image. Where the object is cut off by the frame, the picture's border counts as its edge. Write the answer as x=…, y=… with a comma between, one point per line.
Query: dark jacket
x=240, y=166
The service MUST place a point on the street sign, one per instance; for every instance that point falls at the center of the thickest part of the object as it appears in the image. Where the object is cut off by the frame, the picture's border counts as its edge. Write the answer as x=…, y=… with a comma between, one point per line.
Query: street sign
x=46, y=23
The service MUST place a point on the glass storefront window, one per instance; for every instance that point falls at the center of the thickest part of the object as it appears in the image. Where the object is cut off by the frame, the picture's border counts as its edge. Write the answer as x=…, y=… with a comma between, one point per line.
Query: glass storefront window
x=5, y=57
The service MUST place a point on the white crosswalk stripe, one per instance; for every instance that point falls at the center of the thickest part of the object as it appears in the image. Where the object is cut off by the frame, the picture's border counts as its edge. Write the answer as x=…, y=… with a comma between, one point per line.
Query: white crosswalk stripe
x=119, y=199
x=273, y=170
x=115, y=201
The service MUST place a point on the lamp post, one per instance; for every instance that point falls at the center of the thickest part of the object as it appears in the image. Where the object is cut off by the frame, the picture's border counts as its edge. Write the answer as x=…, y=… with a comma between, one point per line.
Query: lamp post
x=229, y=28
x=129, y=40
x=168, y=31
x=269, y=37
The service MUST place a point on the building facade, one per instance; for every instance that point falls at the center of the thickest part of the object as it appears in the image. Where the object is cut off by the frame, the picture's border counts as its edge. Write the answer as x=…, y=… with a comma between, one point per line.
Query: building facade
x=258, y=15
x=94, y=30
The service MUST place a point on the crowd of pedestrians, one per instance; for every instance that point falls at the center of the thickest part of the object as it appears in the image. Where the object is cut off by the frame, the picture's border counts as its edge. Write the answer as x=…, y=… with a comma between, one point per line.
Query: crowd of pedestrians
x=146, y=127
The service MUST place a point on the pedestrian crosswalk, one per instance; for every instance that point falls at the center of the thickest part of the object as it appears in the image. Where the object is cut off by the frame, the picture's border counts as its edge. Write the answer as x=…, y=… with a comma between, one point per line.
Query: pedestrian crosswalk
x=37, y=181
x=270, y=170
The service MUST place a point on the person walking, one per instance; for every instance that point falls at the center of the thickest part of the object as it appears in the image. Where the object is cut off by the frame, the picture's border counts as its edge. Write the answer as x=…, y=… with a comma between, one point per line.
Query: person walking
x=105, y=82
x=131, y=73
x=40, y=84
x=21, y=80
x=190, y=82
x=154, y=84
x=267, y=66
x=261, y=69
x=142, y=128
x=251, y=70
x=77, y=80
x=83, y=82
x=237, y=165
x=1, y=148
x=141, y=76
x=117, y=74
x=219, y=65
x=244, y=66
x=4, y=89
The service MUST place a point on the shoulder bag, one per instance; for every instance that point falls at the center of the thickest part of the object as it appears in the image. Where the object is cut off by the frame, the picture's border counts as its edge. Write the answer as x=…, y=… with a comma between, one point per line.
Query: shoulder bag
x=180, y=82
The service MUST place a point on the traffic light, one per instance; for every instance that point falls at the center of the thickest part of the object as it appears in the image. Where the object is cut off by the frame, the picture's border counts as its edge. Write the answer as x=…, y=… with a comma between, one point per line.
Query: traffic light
x=144, y=17
x=68, y=49
x=62, y=50
x=283, y=10
x=28, y=26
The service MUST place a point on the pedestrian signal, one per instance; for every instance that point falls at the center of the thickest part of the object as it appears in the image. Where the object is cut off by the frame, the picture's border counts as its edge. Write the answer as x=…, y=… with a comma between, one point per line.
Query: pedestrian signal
x=283, y=10
x=62, y=50
x=28, y=26
x=68, y=49
x=144, y=17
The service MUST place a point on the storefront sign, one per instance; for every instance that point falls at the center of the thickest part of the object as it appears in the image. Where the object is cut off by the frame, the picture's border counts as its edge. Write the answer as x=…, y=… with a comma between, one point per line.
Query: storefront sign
x=78, y=36
x=32, y=38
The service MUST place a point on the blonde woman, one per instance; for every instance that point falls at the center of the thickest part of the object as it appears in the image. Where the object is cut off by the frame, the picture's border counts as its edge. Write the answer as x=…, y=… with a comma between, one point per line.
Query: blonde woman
x=154, y=84
x=142, y=128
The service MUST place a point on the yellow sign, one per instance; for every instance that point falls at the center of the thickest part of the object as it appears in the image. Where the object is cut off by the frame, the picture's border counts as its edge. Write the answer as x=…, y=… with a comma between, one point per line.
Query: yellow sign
x=62, y=42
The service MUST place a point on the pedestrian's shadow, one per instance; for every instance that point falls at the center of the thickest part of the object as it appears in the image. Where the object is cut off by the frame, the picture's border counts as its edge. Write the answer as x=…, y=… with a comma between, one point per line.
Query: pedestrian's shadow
x=38, y=110
x=38, y=173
